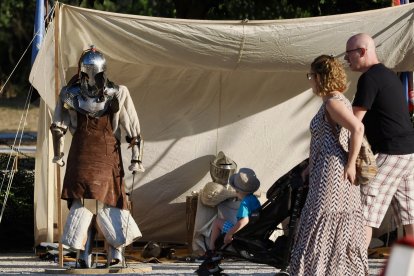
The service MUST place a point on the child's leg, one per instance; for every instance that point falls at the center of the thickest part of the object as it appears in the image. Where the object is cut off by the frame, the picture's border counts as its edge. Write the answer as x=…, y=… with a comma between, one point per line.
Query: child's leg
x=215, y=232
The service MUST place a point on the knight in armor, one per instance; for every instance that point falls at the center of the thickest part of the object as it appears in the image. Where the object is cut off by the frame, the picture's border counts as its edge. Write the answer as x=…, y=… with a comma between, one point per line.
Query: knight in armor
x=94, y=110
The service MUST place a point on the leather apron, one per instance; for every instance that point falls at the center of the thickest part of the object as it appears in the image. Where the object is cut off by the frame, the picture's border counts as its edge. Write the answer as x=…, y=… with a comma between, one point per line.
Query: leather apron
x=94, y=166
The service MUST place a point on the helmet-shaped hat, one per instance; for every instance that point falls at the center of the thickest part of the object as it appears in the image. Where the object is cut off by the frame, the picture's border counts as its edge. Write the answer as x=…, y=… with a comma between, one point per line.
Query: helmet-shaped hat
x=92, y=65
x=221, y=168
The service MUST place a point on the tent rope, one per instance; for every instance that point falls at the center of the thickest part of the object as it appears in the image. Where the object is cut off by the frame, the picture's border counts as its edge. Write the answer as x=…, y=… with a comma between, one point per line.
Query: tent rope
x=25, y=51
x=219, y=111
x=10, y=170
x=244, y=22
x=18, y=62
x=11, y=166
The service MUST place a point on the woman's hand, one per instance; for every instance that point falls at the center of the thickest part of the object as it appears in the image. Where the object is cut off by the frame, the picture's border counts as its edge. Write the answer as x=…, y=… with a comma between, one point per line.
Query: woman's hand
x=350, y=172
x=228, y=238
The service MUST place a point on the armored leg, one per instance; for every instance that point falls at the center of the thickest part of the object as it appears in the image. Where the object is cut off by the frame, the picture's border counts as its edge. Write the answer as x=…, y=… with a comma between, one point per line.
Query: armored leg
x=119, y=229
x=77, y=225
x=115, y=256
x=85, y=256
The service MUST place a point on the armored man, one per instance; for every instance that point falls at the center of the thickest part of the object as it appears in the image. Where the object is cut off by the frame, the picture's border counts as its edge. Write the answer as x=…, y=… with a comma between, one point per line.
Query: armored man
x=95, y=110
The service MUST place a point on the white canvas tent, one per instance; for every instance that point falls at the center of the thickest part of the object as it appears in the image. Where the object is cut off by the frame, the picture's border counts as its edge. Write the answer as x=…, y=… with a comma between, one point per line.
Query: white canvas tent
x=200, y=87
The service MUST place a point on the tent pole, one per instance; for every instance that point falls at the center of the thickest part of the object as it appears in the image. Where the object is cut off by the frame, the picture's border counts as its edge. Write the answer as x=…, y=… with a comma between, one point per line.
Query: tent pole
x=57, y=88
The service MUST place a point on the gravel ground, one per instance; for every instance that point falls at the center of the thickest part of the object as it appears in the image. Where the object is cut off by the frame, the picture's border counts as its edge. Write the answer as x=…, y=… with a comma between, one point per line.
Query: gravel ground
x=28, y=263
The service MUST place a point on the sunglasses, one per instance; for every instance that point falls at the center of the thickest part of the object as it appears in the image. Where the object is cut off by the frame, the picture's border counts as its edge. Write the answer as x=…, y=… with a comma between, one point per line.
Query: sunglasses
x=353, y=50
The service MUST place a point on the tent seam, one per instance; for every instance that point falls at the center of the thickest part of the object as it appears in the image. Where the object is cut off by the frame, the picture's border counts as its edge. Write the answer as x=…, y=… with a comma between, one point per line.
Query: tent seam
x=244, y=22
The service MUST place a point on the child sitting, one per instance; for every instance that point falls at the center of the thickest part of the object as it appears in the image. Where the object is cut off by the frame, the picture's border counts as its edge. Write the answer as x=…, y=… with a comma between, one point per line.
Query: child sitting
x=245, y=183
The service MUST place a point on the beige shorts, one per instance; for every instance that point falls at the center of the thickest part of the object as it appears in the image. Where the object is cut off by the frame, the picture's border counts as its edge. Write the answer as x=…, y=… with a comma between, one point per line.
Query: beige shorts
x=394, y=184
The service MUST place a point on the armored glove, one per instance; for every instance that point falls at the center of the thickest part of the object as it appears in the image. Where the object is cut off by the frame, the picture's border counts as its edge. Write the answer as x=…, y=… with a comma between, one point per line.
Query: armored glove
x=57, y=136
x=136, y=166
x=137, y=146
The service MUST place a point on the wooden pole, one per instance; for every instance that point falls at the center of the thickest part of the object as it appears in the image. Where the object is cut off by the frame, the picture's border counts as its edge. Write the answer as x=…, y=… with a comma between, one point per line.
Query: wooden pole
x=57, y=88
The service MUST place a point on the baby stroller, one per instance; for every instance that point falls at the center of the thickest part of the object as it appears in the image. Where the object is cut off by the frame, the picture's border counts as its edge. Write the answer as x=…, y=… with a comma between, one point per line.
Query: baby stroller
x=285, y=198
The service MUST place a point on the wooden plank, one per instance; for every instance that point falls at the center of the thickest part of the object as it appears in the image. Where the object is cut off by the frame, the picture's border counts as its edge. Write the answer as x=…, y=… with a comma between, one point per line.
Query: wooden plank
x=57, y=88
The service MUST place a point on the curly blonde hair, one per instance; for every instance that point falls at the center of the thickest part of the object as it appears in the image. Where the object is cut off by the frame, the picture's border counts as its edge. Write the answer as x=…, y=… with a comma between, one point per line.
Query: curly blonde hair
x=331, y=73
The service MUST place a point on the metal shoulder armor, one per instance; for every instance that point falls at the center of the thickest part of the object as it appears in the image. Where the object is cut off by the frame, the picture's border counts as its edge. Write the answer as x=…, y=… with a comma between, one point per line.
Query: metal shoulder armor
x=73, y=98
x=111, y=89
x=69, y=95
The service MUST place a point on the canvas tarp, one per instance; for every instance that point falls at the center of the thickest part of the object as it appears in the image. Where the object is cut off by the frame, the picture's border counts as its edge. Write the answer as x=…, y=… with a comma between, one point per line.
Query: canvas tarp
x=201, y=87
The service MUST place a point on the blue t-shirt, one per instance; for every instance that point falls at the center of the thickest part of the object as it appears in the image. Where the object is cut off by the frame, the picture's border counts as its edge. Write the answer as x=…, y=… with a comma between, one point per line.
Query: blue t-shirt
x=249, y=204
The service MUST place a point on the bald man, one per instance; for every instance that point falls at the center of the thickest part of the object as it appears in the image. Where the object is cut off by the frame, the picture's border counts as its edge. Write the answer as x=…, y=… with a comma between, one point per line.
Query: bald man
x=381, y=105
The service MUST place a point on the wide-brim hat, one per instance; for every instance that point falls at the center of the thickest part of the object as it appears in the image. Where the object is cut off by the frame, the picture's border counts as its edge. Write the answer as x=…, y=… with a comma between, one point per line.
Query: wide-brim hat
x=245, y=181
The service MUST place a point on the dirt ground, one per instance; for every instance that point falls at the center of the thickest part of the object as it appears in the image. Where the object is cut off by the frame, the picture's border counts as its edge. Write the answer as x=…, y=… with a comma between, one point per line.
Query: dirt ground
x=28, y=264
x=13, y=114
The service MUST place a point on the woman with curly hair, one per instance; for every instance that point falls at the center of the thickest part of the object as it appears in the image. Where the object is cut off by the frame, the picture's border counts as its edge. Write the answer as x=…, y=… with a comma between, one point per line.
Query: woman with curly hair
x=330, y=238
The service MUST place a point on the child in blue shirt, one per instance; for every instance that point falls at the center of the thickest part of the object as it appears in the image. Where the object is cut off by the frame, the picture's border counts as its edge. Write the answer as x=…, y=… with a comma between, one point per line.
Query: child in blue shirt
x=245, y=183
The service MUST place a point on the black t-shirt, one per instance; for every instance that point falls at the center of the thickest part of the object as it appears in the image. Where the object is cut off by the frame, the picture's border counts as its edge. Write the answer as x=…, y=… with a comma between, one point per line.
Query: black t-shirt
x=387, y=122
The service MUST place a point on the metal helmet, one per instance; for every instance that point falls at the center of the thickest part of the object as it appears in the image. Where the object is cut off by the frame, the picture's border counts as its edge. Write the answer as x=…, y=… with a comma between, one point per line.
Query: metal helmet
x=221, y=168
x=92, y=67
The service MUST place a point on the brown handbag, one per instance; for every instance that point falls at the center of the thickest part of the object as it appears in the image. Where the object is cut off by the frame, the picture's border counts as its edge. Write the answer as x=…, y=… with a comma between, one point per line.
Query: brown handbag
x=366, y=166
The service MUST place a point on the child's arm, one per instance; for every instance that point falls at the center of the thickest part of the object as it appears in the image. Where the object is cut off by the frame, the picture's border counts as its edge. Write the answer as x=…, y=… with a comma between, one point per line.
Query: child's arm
x=239, y=225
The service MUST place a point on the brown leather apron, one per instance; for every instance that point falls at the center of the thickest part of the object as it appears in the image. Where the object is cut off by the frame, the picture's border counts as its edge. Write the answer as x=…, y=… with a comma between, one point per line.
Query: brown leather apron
x=94, y=166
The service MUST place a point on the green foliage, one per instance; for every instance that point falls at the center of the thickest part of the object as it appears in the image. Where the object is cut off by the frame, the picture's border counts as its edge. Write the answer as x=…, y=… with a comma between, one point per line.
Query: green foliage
x=17, y=17
x=231, y=9
x=16, y=30
x=279, y=9
x=164, y=8
x=16, y=227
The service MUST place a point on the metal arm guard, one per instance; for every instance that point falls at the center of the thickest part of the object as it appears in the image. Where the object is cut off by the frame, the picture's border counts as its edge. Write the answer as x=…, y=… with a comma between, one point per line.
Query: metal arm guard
x=137, y=147
x=57, y=137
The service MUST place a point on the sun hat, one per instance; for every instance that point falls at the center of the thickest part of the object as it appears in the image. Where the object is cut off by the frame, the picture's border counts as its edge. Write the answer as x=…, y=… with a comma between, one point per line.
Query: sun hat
x=245, y=181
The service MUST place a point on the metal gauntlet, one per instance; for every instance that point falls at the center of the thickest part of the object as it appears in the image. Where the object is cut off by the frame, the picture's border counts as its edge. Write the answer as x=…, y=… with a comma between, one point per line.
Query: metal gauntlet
x=57, y=137
x=137, y=147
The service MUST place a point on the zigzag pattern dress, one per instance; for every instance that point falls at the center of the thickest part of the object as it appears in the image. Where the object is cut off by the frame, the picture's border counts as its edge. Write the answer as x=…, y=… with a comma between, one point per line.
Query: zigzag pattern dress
x=330, y=238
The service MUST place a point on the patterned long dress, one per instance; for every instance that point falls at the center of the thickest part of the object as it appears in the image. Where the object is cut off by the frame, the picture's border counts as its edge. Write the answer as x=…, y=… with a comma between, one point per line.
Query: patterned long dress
x=331, y=237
